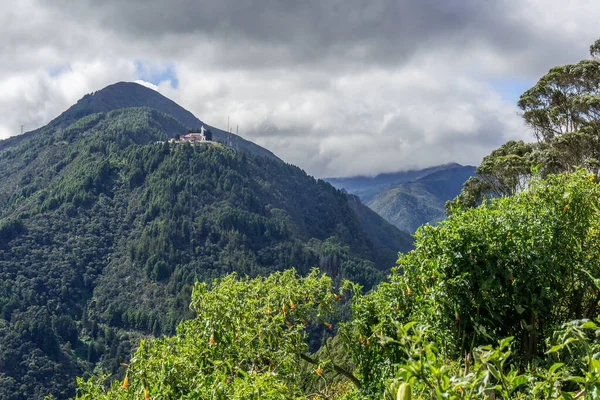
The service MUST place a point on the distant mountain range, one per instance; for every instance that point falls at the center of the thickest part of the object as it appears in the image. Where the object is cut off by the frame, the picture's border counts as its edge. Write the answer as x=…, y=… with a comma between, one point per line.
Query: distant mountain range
x=409, y=199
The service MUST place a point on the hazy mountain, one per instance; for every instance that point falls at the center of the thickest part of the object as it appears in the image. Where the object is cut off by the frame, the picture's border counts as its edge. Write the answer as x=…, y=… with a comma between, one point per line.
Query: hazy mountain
x=103, y=232
x=409, y=199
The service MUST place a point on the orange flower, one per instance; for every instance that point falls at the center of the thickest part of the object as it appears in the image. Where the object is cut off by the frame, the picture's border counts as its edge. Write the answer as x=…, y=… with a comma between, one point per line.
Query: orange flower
x=292, y=305
x=457, y=317
x=337, y=297
x=125, y=382
x=146, y=395
x=212, y=339
x=408, y=290
x=318, y=371
x=328, y=325
x=566, y=208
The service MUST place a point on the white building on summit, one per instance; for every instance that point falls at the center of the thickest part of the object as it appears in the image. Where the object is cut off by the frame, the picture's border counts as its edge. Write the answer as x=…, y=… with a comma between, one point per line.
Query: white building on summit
x=203, y=136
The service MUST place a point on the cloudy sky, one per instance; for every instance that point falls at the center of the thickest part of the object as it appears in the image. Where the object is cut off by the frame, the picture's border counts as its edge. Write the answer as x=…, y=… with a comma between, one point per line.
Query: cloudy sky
x=337, y=87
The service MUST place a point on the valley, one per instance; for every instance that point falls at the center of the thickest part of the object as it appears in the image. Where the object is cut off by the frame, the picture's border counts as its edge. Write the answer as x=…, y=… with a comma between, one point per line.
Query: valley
x=409, y=199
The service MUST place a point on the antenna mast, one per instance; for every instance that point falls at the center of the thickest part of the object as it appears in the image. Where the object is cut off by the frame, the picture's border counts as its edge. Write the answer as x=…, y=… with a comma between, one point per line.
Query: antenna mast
x=191, y=213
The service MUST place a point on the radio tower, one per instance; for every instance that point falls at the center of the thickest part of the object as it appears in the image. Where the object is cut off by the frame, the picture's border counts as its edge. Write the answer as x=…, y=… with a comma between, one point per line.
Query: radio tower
x=191, y=217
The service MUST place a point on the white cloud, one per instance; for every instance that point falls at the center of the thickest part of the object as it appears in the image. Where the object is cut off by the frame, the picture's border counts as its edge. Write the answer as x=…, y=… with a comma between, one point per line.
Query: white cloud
x=336, y=96
x=147, y=84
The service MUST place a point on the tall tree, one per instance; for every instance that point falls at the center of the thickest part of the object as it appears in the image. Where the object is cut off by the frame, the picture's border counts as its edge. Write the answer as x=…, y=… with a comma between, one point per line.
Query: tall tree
x=563, y=111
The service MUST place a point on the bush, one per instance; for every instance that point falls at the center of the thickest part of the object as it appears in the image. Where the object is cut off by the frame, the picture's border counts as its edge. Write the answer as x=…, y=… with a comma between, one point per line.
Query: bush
x=517, y=266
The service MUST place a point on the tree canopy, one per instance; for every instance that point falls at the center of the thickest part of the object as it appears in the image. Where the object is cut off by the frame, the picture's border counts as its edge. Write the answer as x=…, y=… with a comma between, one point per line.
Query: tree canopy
x=563, y=112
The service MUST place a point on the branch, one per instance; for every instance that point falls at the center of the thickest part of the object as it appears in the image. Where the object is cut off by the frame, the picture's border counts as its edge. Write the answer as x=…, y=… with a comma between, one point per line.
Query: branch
x=337, y=369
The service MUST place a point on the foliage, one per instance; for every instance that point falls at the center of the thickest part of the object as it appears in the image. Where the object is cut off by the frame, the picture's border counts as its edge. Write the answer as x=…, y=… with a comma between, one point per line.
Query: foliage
x=247, y=341
x=490, y=374
x=517, y=266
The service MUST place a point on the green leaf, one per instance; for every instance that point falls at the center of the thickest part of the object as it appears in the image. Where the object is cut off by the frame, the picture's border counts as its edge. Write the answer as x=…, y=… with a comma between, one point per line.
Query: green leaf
x=494, y=371
x=555, y=367
x=588, y=325
x=519, y=380
x=555, y=348
x=408, y=325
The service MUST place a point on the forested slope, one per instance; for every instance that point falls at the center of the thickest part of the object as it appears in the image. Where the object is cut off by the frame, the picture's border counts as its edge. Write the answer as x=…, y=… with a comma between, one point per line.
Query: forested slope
x=103, y=232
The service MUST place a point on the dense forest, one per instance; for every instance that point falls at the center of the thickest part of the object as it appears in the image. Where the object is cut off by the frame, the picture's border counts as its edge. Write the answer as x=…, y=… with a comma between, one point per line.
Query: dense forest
x=501, y=300
x=105, y=227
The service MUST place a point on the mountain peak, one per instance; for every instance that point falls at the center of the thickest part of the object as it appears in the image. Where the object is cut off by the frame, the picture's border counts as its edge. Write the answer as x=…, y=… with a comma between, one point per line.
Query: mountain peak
x=131, y=94
x=127, y=95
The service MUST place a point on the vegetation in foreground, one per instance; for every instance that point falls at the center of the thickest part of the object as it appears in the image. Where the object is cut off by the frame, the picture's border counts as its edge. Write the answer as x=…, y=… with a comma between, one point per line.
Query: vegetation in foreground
x=498, y=301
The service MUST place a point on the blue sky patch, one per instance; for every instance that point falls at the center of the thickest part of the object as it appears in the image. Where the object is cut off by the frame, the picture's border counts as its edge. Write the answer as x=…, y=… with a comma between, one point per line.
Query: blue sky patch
x=57, y=70
x=511, y=89
x=156, y=73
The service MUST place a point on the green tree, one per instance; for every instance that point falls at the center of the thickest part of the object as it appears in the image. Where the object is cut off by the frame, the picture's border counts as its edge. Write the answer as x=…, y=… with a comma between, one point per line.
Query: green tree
x=502, y=173
x=563, y=111
x=248, y=341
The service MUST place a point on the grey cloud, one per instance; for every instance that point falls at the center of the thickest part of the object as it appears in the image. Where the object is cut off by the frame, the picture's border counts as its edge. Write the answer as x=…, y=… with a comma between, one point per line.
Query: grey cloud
x=313, y=31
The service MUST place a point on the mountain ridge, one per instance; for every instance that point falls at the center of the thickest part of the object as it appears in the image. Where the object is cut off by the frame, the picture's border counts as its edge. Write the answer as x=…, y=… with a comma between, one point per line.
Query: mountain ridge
x=366, y=186
x=409, y=199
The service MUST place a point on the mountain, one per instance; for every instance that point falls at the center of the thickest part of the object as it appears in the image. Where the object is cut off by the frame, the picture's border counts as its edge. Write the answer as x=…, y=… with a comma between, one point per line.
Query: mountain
x=105, y=228
x=409, y=199
x=130, y=94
